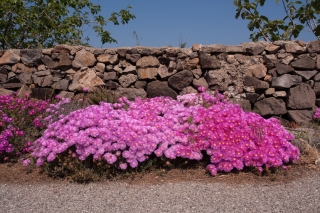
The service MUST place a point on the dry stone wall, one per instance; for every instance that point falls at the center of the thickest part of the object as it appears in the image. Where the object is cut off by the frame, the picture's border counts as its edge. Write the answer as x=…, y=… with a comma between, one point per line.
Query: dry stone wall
x=275, y=79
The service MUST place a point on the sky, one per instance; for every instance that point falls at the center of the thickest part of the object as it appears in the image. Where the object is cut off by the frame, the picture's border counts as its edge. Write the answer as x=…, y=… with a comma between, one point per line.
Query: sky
x=161, y=23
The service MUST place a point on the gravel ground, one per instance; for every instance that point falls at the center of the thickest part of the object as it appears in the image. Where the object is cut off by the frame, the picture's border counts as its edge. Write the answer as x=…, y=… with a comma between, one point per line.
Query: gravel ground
x=302, y=195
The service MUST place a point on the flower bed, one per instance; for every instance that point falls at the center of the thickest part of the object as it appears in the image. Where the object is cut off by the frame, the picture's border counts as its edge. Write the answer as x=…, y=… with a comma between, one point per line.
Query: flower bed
x=126, y=134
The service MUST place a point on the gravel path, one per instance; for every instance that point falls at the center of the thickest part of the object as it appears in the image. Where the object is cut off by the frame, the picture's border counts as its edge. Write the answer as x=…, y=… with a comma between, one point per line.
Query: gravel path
x=302, y=195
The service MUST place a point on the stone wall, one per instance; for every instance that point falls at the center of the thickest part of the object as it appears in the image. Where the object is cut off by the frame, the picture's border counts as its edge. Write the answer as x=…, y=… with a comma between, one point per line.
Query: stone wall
x=274, y=79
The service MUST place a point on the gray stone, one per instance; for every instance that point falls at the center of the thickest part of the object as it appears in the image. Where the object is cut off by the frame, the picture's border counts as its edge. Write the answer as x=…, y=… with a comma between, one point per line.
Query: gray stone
x=130, y=69
x=314, y=46
x=300, y=116
x=172, y=52
x=270, y=91
x=301, y=97
x=181, y=64
x=255, y=83
x=100, y=67
x=158, y=88
x=283, y=68
x=214, y=48
x=197, y=73
x=293, y=47
x=305, y=62
x=283, y=81
x=65, y=94
x=47, y=81
x=316, y=88
x=192, y=63
x=256, y=70
x=126, y=80
x=147, y=73
x=110, y=76
x=244, y=104
x=252, y=97
x=271, y=48
x=271, y=106
x=280, y=94
x=61, y=84
x=122, y=52
x=25, y=78
x=201, y=82
x=306, y=75
x=254, y=48
x=4, y=92
x=172, y=66
x=3, y=78
x=181, y=79
x=218, y=77
x=133, y=57
x=188, y=90
x=270, y=59
x=164, y=60
x=208, y=62
x=235, y=49
x=31, y=57
x=23, y=91
x=132, y=93
x=42, y=73
x=140, y=84
x=112, y=85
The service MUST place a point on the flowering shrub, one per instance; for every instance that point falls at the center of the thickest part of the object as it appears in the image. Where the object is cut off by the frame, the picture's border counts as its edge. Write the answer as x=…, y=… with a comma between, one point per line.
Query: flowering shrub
x=316, y=115
x=16, y=133
x=128, y=133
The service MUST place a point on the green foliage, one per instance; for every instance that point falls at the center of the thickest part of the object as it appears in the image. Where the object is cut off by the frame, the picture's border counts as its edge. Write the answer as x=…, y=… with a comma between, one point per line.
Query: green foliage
x=45, y=23
x=298, y=16
x=182, y=44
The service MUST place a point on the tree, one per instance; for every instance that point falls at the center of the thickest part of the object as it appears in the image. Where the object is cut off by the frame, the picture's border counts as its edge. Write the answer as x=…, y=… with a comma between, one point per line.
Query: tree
x=298, y=16
x=45, y=23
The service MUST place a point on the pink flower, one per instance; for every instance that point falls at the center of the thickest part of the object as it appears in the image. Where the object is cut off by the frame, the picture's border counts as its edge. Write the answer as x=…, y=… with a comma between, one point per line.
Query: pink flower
x=26, y=162
x=85, y=89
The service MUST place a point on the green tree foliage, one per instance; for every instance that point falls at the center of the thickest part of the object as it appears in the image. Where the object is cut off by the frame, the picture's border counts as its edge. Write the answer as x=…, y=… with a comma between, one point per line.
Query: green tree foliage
x=45, y=23
x=298, y=16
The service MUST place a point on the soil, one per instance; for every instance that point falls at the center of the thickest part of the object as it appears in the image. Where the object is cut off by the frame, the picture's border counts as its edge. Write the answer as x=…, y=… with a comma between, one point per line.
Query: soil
x=16, y=173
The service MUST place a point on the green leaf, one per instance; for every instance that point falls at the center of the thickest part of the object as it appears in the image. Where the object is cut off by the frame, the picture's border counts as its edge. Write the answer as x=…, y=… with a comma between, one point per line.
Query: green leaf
x=251, y=25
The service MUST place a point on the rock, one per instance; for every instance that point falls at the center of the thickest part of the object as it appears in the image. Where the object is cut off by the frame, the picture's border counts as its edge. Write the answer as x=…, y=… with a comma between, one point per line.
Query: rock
x=133, y=57
x=122, y=52
x=283, y=81
x=158, y=88
x=283, y=68
x=316, y=77
x=271, y=48
x=100, y=67
x=132, y=93
x=208, y=62
x=270, y=59
x=214, y=48
x=316, y=88
x=147, y=73
x=31, y=57
x=270, y=91
x=130, y=69
x=63, y=61
x=305, y=62
x=257, y=70
x=218, y=77
x=3, y=78
x=230, y=59
x=172, y=66
x=287, y=60
x=62, y=48
x=164, y=73
x=25, y=78
x=47, y=81
x=21, y=68
x=181, y=79
x=110, y=76
x=9, y=57
x=42, y=73
x=196, y=47
x=197, y=73
x=255, y=83
x=280, y=94
x=112, y=85
x=85, y=77
x=23, y=91
x=268, y=78
x=293, y=47
x=148, y=61
x=192, y=63
x=83, y=59
x=164, y=60
x=201, y=82
x=235, y=49
x=271, y=106
x=244, y=104
x=61, y=84
x=65, y=94
x=4, y=92
x=172, y=52
x=314, y=46
x=252, y=97
x=140, y=84
x=126, y=80
x=301, y=97
x=306, y=75
x=144, y=50
x=188, y=90
x=300, y=116
x=318, y=62
x=42, y=93
x=13, y=83
x=254, y=48
x=108, y=58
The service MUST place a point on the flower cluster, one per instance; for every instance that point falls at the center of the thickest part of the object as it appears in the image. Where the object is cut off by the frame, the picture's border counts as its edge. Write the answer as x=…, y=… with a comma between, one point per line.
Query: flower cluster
x=127, y=133
x=15, y=130
x=316, y=115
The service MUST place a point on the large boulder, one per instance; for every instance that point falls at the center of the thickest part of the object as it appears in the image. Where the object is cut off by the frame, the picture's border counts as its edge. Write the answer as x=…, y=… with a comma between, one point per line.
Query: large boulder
x=9, y=57
x=271, y=106
x=132, y=93
x=148, y=61
x=126, y=80
x=159, y=88
x=181, y=79
x=255, y=83
x=314, y=46
x=300, y=116
x=108, y=58
x=164, y=72
x=285, y=81
x=256, y=70
x=147, y=73
x=31, y=57
x=305, y=62
x=283, y=68
x=301, y=97
x=85, y=78
x=306, y=75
